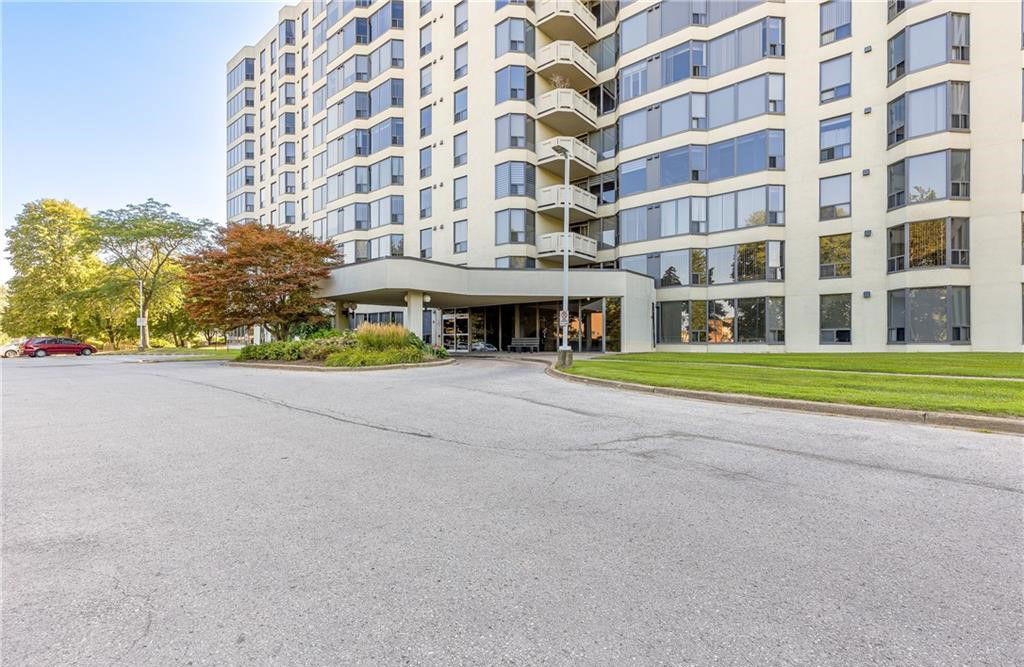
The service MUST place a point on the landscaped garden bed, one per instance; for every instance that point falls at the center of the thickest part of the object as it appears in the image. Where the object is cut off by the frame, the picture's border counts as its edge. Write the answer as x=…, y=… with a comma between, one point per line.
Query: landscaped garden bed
x=371, y=345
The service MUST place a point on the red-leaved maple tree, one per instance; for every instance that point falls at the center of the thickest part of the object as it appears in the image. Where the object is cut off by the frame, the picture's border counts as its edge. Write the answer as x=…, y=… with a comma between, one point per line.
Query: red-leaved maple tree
x=253, y=274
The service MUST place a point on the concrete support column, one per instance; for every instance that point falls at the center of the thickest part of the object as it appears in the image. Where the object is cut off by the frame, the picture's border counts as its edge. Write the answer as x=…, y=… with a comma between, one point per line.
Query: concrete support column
x=414, y=312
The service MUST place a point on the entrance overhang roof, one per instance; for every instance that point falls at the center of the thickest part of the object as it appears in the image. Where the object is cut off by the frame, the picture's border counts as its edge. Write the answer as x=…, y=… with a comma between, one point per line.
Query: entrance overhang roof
x=386, y=281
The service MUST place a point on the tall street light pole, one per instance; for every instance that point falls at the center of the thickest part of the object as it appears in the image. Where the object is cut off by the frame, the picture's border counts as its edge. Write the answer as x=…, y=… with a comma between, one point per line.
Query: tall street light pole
x=564, y=351
x=141, y=321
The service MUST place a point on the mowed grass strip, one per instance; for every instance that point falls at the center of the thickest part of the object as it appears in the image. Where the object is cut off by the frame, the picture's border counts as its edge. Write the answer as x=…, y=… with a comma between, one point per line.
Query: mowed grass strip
x=979, y=364
x=987, y=397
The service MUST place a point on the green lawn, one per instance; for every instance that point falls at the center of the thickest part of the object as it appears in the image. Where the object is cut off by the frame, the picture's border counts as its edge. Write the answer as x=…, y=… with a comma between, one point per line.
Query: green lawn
x=979, y=364
x=990, y=396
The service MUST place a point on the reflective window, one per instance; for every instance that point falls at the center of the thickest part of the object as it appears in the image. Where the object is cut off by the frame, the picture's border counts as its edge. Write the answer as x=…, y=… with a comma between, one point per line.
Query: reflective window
x=834, y=197
x=929, y=243
x=460, y=193
x=748, y=44
x=834, y=312
x=721, y=265
x=834, y=138
x=835, y=77
x=513, y=35
x=665, y=18
x=461, y=60
x=929, y=177
x=515, y=262
x=426, y=161
x=427, y=243
x=514, y=179
x=944, y=106
x=835, y=19
x=834, y=256
x=930, y=315
x=945, y=38
x=462, y=17
x=461, y=105
x=514, y=82
x=460, y=148
x=426, y=120
x=460, y=241
x=514, y=225
x=426, y=81
x=426, y=200
x=426, y=43
x=514, y=130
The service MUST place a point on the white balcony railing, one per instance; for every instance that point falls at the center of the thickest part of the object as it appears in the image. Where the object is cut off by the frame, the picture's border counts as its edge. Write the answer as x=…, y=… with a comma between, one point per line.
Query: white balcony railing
x=579, y=245
x=580, y=200
x=564, y=53
x=577, y=150
x=564, y=101
x=569, y=18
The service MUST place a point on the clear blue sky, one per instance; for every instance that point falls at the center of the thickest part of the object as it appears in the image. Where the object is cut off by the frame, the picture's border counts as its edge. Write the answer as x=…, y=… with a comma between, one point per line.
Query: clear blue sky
x=110, y=103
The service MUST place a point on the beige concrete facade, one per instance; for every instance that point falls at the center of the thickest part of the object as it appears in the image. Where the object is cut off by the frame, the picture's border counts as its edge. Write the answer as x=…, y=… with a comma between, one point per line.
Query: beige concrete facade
x=568, y=36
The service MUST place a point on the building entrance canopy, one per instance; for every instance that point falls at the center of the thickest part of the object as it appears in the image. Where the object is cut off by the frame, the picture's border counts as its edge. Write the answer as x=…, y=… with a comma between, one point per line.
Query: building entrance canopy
x=415, y=284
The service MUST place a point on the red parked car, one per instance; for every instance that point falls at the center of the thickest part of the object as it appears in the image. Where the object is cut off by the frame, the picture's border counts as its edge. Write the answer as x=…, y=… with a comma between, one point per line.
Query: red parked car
x=41, y=347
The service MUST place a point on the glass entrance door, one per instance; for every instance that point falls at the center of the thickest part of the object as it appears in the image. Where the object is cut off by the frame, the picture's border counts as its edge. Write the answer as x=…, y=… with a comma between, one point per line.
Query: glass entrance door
x=455, y=330
x=592, y=321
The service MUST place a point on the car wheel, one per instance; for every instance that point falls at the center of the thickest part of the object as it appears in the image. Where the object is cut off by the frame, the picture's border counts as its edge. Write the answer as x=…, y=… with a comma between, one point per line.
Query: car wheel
x=40, y=353
x=10, y=353
x=86, y=352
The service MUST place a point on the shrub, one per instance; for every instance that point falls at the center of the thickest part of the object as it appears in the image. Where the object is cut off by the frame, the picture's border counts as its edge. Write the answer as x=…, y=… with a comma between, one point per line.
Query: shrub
x=160, y=342
x=327, y=333
x=382, y=336
x=320, y=348
x=354, y=357
x=438, y=352
x=276, y=351
x=415, y=341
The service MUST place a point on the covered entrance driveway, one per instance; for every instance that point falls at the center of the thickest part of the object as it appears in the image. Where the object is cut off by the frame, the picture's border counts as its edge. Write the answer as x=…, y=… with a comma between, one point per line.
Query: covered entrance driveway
x=610, y=310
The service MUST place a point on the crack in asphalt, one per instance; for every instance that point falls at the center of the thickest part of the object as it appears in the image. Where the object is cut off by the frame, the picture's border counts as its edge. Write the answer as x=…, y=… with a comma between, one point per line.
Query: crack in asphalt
x=347, y=420
x=575, y=411
x=680, y=436
x=608, y=446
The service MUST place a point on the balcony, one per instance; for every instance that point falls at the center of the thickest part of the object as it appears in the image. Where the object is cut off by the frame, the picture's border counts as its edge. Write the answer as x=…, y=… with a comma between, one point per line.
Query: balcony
x=582, y=158
x=567, y=61
x=582, y=204
x=567, y=19
x=567, y=112
x=582, y=249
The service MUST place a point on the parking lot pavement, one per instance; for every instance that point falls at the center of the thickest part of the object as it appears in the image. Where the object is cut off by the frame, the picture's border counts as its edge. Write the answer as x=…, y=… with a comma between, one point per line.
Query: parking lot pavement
x=485, y=513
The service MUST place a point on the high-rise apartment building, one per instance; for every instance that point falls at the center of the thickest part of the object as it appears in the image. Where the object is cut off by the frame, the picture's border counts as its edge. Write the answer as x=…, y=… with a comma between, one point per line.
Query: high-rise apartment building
x=745, y=175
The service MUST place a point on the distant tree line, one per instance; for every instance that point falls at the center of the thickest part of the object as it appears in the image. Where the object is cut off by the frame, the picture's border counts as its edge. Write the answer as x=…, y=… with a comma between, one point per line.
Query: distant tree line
x=91, y=276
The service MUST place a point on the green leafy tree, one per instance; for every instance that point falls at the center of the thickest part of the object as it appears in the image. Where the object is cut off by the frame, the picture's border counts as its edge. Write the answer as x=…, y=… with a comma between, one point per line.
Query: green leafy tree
x=145, y=240
x=174, y=322
x=106, y=306
x=53, y=254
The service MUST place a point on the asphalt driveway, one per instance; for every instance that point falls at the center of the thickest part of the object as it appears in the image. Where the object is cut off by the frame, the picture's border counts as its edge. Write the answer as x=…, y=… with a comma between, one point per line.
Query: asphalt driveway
x=486, y=514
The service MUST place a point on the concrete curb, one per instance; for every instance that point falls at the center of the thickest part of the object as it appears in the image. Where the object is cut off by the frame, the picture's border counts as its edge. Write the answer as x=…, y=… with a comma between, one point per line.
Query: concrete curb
x=974, y=422
x=342, y=369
